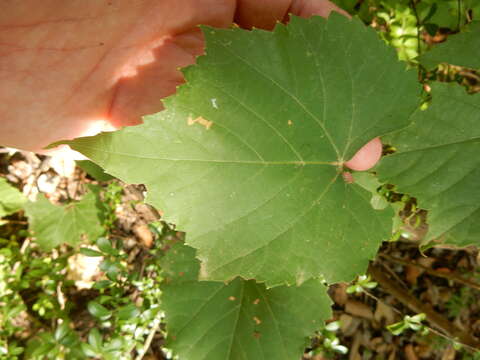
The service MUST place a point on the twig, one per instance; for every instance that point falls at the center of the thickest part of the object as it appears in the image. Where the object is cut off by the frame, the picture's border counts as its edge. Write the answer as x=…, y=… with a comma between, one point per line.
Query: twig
x=393, y=274
x=24, y=247
x=20, y=222
x=448, y=276
x=417, y=306
x=149, y=340
x=436, y=332
x=60, y=296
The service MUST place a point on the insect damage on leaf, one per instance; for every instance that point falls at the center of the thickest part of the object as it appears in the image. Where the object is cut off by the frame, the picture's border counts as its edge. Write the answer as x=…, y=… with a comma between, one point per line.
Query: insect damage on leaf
x=437, y=162
x=200, y=120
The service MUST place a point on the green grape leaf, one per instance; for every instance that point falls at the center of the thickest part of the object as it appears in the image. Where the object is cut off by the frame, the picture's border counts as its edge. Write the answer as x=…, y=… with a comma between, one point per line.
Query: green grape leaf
x=247, y=157
x=11, y=200
x=462, y=49
x=437, y=161
x=54, y=225
x=239, y=320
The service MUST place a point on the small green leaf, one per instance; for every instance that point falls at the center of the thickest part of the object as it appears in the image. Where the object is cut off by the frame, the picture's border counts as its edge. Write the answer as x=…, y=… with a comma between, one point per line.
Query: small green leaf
x=397, y=328
x=111, y=268
x=43, y=349
x=16, y=350
x=11, y=200
x=99, y=310
x=105, y=246
x=95, y=339
x=102, y=284
x=89, y=350
x=89, y=252
x=430, y=13
x=128, y=312
x=115, y=344
x=54, y=225
x=446, y=14
x=62, y=330
x=333, y=326
x=431, y=29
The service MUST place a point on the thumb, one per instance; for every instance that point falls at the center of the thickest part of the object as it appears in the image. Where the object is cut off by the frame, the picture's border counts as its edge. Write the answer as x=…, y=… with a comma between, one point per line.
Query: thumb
x=265, y=14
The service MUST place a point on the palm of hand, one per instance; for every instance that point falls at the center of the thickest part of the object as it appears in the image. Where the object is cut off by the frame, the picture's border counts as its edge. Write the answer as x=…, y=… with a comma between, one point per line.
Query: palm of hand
x=75, y=68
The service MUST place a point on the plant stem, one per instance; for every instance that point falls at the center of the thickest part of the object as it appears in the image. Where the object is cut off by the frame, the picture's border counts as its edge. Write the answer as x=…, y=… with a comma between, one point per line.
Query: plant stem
x=149, y=340
x=437, y=320
x=448, y=276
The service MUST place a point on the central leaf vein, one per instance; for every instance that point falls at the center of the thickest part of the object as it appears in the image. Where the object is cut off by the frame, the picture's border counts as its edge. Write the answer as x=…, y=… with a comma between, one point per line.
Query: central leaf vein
x=301, y=215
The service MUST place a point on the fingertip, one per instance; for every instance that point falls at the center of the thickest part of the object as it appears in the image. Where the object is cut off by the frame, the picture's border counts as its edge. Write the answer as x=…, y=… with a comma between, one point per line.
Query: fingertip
x=307, y=8
x=260, y=14
x=367, y=157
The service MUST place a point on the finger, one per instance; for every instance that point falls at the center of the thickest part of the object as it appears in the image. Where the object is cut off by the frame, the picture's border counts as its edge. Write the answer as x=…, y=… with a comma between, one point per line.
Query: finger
x=367, y=157
x=140, y=95
x=263, y=14
x=307, y=8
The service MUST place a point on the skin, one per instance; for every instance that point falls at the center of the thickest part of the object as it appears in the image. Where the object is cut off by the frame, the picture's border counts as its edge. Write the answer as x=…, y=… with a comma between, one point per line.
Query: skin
x=367, y=156
x=78, y=67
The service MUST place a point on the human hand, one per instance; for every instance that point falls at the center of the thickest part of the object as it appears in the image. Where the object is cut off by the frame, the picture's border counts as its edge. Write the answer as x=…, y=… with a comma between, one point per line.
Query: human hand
x=75, y=68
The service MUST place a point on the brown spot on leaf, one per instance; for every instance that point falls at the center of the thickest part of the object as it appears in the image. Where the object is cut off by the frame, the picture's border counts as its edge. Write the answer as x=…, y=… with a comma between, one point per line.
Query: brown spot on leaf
x=256, y=301
x=200, y=120
x=232, y=298
x=257, y=320
x=256, y=335
x=290, y=122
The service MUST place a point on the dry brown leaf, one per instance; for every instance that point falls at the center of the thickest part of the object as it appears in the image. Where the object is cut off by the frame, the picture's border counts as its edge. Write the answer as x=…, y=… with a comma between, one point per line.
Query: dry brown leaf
x=410, y=353
x=349, y=325
x=392, y=355
x=412, y=273
x=384, y=314
x=143, y=233
x=359, y=309
x=354, y=353
x=338, y=293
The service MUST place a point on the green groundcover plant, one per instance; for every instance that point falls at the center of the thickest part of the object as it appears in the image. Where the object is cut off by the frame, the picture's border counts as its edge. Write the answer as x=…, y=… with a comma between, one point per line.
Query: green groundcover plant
x=248, y=159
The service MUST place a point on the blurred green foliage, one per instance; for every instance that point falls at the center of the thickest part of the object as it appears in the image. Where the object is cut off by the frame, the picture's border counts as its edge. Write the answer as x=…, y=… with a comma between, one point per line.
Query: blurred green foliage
x=43, y=315
x=401, y=23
